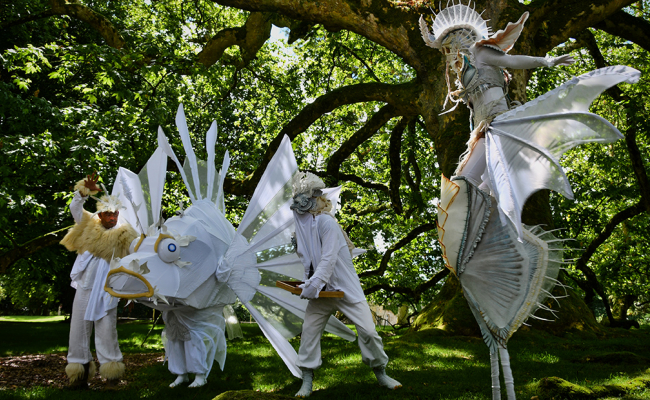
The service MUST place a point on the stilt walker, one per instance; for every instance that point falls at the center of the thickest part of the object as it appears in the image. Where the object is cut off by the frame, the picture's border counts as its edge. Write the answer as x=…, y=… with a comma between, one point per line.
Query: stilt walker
x=507, y=269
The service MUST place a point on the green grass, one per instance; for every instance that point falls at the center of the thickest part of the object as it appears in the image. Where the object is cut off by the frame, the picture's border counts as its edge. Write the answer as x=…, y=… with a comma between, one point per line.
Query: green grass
x=28, y=318
x=429, y=364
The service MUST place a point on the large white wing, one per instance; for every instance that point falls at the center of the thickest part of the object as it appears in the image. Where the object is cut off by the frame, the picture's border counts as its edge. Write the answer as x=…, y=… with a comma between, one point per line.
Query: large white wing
x=524, y=145
x=262, y=253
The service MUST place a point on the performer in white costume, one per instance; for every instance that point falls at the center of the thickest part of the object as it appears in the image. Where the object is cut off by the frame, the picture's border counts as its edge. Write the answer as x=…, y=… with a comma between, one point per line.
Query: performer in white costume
x=505, y=268
x=96, y=238
x=194, y=264
x=326, y=254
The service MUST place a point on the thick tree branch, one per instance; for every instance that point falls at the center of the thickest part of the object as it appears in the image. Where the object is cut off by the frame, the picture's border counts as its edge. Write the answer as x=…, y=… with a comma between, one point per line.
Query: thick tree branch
x=626, y=26
x=96, y=20
x=250, y=38
x=10, y=257
x=394, y=153
x=389, y=26
x=400, y=96
x=558, y=20
x=376, y=122
x=389, y=252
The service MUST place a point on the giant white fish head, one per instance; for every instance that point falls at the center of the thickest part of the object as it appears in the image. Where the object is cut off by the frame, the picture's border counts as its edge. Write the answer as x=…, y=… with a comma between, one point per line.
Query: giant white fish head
x=177, y=261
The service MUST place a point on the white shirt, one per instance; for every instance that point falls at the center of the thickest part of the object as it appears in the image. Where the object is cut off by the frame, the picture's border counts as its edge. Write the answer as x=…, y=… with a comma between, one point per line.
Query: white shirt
x=89, y=272
x=321, y=244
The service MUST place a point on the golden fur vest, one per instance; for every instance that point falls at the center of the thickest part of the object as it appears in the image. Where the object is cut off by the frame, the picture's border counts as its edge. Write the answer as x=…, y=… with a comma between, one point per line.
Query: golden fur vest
x=91, y=236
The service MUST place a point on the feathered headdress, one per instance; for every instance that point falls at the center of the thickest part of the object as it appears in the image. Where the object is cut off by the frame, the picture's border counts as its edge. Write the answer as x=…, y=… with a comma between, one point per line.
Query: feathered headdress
x=107, y=202
x=454, y=17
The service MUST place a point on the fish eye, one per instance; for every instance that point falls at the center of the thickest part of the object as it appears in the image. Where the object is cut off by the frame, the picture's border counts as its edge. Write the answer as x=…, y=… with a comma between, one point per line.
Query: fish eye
x=167, y=248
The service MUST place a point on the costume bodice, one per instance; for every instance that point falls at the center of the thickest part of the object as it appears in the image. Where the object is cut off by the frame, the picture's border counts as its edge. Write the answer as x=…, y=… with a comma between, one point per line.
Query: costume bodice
x=477, y=81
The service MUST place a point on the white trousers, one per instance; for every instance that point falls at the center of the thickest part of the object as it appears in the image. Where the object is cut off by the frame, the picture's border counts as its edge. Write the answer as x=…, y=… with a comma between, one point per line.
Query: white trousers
x=106, y=344
x=194, y=339
x=316, y=315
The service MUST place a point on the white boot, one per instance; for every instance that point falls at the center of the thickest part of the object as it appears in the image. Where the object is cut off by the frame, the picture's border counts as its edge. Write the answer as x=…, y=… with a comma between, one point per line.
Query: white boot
x=179, y=379
x=385, y=380
x=199, y=380
x=307, y=379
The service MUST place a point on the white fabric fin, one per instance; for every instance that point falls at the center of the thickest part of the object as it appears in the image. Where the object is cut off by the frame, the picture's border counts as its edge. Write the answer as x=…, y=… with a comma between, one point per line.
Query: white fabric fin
x=170, y=153
x=524, y=145
x=274, y=189
x=181, y=123
x=220, y=201
x=279, y=343
x=210, y=142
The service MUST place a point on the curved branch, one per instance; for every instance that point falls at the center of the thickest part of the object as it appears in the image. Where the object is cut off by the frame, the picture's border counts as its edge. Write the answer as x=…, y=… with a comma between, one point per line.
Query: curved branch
x=558, y=20
x=361, y=60
x=250, y=38
x=359, y=181
x=394, y=152
x=400, y=95
x=412, y=293
x=581, y=264
x=376, y=122
x=96, y=20
x=403, y=242
x=383, y=23
x=372, y=209
x=626, y=26
x=8, y=258
x=353, y=178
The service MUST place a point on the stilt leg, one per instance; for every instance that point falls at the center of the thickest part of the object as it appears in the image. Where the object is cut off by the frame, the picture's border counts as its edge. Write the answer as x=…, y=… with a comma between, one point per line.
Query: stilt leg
x=494, y=368
x=507, y=373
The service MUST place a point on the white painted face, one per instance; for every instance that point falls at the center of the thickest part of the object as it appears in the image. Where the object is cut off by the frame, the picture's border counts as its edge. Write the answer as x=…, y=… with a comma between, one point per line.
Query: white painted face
x=175, y=260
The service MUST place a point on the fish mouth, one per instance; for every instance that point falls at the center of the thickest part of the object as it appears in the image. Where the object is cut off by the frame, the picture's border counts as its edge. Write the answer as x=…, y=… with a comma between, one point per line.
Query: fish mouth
x=133, y=285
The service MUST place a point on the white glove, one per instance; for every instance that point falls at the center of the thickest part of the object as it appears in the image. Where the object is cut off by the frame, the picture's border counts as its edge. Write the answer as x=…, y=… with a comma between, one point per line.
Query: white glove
x=311, y=288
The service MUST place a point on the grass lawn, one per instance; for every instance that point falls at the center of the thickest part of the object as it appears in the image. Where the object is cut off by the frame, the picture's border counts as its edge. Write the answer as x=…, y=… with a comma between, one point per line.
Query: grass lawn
x=27, y=318
x=429, y=364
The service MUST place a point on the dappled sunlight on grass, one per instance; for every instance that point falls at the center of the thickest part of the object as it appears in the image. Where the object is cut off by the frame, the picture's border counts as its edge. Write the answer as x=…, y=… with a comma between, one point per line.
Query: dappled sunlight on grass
x=428, y=366
x=543, y=357
x=29, y=318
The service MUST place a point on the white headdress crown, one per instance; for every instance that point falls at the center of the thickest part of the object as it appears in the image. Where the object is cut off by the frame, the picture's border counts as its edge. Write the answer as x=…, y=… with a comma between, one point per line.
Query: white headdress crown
x=307, y=183
x=454, y=17
x=108, y=202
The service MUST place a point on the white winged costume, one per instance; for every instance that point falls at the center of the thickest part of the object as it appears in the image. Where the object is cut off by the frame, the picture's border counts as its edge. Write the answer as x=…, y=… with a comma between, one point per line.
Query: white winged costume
x=192, y=265
x=505, y=268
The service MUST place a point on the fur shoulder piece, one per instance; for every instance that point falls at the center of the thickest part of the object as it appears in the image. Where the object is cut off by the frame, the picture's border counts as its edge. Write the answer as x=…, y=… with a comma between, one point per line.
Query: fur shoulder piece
x=89, y=235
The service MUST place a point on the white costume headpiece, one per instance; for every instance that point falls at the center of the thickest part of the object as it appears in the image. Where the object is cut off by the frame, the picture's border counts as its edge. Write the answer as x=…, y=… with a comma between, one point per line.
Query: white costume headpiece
x=454, y=17
x=108, y=203
x=306, y=186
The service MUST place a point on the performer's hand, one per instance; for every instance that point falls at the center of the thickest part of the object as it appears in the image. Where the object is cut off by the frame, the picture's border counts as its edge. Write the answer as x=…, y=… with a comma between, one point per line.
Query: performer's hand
x=91, y=182
x=310, y=289
x=563, y=60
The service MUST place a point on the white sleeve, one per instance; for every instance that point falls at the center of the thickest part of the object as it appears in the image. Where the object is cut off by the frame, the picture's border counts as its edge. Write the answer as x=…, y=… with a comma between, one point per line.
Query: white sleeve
x=329, y=232
x=77, y=206
x=495, y=58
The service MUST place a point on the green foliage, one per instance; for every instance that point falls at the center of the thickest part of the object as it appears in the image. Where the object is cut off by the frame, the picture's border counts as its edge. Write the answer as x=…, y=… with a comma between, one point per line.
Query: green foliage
x=604, y=182
x=71, y=104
